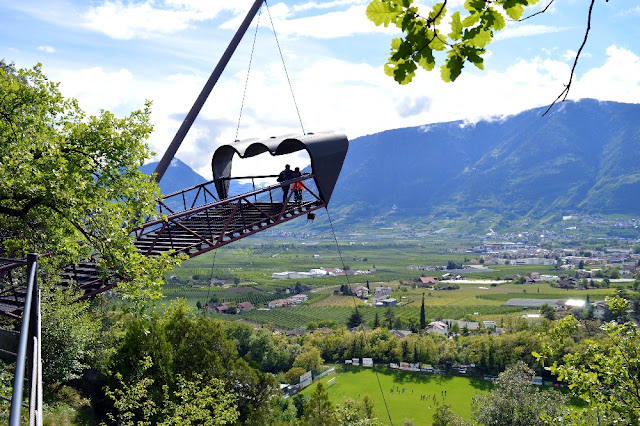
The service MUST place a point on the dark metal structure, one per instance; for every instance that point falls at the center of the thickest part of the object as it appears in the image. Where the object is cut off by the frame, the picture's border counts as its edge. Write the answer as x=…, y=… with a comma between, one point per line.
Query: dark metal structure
x=206, y=91
x=197, y=221
x=326, y=150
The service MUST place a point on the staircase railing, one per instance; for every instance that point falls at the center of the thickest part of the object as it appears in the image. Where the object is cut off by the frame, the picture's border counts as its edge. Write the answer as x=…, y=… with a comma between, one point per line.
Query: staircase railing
x=28, y=347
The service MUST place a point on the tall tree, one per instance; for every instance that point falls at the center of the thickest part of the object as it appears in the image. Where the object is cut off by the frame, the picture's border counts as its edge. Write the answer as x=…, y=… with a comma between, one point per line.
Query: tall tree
x=196, y=348
x=390, y=316
x=309, y=359
x=423, y=318
x=71, y=184
x=515, y=401
x=70, y=332
x=319, y=411
x=376, y=321
x=445, y=416
x=355, y=319
x=548, y=312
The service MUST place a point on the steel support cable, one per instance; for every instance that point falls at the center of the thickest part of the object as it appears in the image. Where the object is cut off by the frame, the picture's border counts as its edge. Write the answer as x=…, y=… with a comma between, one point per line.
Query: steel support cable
x=215, y=252
x=285, y=67
x=246, y=82
x=356, y=307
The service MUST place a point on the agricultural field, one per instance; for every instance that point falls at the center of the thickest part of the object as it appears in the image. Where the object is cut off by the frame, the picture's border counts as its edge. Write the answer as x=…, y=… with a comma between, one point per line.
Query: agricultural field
x=355, y=382
x=247, y=266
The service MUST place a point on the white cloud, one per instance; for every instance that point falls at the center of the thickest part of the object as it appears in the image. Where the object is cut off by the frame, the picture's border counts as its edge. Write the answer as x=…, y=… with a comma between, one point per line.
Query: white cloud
x=47, y=49
x=517, y=30
x=569, y=55
x=329, y=25
x=632, y=11
x=142, y=20
x=327, y=5
x=618, y=79
x=359, y=99
x=98, y=89
x=354, y=98
x=333, y=25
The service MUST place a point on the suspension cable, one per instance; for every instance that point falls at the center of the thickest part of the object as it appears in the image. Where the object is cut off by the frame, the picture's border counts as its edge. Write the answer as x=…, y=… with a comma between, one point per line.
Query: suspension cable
x=215, y=252
x=335, y=238
x=285, y=67
x=246, y=82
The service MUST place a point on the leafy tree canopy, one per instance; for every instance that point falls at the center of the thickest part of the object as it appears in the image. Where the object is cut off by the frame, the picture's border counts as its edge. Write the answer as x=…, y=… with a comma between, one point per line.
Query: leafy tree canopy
x=515, y=401
x=71, y=184
x=462, y=37
x=605, y=373
x=182, y=350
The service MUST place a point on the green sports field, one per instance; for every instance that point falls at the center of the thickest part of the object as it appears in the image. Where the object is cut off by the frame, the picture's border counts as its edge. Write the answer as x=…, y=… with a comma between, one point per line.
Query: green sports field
x=355, y=382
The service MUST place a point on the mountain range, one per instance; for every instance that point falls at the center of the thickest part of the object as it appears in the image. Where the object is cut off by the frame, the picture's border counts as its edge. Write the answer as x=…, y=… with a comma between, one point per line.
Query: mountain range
x=582, y=157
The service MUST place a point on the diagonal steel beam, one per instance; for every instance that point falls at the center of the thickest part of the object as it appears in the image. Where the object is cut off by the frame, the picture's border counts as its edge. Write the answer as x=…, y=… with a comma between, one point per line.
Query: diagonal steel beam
x=206, y=91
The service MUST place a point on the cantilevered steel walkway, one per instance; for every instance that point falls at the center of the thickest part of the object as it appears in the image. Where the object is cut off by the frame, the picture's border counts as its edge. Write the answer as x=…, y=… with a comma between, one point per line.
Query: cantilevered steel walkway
x=205, y=224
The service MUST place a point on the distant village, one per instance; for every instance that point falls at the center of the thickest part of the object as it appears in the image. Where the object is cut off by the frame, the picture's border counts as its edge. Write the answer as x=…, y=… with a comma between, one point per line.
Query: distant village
x=521, y=254
x=577, y=269
x=319, y=272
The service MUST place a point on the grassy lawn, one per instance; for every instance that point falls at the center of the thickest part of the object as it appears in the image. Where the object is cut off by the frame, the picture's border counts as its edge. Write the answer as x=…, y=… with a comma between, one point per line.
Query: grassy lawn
x=358, y=381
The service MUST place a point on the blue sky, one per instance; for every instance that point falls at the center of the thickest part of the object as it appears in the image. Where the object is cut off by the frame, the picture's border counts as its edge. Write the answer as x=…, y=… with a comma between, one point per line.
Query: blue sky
x=115, y=54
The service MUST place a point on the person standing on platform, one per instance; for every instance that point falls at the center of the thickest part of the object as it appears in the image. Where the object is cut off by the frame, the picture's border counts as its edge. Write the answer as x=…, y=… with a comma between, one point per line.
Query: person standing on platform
x=284, y=176
x=297, y=187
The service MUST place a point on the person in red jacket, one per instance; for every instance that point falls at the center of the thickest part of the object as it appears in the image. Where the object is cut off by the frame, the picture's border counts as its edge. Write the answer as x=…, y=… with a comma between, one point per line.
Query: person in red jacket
x=297, y=187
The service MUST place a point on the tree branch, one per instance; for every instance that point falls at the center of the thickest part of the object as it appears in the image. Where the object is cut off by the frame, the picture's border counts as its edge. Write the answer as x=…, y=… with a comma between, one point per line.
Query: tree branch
x=430, y=23
x=10, y=211
x=565, y=92
x=537, y=13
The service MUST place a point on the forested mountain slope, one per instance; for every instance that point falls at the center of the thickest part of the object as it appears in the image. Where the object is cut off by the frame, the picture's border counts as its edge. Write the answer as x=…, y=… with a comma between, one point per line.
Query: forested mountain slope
x=582, y=157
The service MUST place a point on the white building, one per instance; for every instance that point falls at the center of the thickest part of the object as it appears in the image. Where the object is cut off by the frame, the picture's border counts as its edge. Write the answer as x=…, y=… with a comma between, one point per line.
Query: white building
x=318, y=272
x=438, y=327
x=299, y=298
x=380, y=291
x=281, y=275
x=535, y=261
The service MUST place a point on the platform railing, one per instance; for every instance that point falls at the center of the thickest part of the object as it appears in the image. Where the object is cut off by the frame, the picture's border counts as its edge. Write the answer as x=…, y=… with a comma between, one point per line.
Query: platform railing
x=235, y=209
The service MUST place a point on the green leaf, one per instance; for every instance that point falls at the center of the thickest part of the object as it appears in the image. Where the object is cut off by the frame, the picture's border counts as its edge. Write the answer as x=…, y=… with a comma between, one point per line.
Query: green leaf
x=474, y=5
x=401, y=70
x=438, y=42
x=493, y=19
x=471, y=20
x=426, y=60
x=474, y=58
x=515, y=11
x=382, y=12
x=437, y=13
x=452, y=68
x=456, y=27
x=389, y=69
x=478, y=37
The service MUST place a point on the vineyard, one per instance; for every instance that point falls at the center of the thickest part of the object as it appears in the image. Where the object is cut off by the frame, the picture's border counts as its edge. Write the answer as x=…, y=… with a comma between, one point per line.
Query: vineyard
x=203, y=295
x=246, y=268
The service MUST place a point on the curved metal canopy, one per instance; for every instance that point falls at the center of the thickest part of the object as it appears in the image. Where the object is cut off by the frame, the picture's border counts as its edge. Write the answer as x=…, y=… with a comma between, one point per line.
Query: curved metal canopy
x=326, y=151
